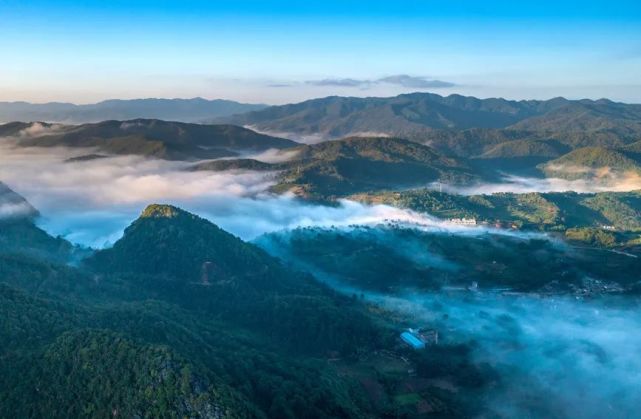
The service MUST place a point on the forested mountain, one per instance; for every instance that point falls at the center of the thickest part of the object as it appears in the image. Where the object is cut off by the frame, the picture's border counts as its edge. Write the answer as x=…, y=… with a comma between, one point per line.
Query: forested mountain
x=336, y=168
x=184, y=110
x=237, y=334
x=185, y=248
x=146, y=137
x=407, y=115
x=487, y=136
x=413, y=115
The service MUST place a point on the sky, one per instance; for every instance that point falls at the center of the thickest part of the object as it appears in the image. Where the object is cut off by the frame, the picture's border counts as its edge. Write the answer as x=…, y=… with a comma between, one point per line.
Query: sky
x=286, y=51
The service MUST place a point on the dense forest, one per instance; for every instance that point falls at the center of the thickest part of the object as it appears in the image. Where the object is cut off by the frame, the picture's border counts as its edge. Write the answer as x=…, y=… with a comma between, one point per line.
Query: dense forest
x=182, y=319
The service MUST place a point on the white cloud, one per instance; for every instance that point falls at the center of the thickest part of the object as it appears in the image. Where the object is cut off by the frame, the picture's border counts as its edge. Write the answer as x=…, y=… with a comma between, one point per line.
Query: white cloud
x=404, y=80
x=517, y=184
x=93, y=201
x=11, y=209
x=274, y=155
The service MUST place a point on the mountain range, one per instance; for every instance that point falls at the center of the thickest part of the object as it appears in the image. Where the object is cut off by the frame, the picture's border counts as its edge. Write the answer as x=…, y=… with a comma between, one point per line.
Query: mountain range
x=382, y=143
x=413, y=115
x=184, y=110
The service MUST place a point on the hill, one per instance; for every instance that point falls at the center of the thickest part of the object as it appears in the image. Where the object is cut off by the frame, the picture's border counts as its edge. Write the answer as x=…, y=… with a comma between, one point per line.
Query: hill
x=248, y=337
x=543, y=149
x=356, y=164
x=147, y=137
x=171, y=242
x=592, y=163
x=182, y=319
x=518, y=157
x=189, y=261
x=234, y=164
x=183, y=110
x=498, y=134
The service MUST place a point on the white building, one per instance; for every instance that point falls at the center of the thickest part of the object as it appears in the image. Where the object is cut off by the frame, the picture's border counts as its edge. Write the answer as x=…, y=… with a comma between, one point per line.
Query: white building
x=463, y=221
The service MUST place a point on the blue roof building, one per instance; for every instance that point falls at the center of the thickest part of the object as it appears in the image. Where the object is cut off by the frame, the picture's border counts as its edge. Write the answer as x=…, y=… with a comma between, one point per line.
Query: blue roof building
x=412, y=340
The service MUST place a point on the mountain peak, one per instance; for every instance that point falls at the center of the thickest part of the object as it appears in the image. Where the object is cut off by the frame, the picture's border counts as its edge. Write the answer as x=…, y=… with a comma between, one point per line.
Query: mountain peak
x=162, y=211
x=178, y=244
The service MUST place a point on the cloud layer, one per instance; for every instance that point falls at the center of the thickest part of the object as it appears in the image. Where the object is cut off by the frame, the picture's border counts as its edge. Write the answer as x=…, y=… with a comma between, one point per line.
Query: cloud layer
x=623, y=182
x=404, y=80
x=91, y=202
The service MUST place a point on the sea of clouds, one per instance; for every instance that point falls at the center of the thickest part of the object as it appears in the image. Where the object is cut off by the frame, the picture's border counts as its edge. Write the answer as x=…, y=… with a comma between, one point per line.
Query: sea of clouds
x=91, y=202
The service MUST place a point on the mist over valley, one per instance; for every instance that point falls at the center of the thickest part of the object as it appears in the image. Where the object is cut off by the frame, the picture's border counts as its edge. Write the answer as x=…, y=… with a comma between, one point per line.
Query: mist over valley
x=319, y=210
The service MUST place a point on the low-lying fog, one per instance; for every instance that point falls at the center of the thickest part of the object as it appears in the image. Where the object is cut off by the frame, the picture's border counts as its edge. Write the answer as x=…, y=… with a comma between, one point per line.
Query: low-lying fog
x=556, y=357
x=91, y=202
x=519, y=184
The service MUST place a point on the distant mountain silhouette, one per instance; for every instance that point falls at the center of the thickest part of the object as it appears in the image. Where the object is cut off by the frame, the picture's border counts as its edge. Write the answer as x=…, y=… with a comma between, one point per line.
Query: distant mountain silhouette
x=184, y=110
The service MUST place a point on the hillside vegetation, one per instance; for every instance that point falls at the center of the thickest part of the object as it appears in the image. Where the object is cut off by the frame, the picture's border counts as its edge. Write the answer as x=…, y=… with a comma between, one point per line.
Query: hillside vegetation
x=357, y=164
x=393, y=259
x=615, y=216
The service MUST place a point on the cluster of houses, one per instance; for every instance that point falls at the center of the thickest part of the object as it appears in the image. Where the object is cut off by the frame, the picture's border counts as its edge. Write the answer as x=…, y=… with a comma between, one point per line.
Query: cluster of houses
x=470, y=222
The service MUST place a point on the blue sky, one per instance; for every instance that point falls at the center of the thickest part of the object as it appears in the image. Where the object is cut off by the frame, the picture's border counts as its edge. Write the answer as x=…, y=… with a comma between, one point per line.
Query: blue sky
x=283, y=51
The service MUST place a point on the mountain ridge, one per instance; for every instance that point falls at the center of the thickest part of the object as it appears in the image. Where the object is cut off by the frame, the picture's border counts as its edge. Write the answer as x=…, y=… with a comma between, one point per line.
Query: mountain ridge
x=354, y=164
x=181, y=110
x=411, y=115
x=146, y=137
